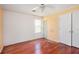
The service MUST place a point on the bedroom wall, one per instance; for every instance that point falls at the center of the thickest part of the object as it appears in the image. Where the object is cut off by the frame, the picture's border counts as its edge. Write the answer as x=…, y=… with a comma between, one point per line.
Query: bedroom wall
x=1, y=28
x=53, y=23
x=18, y=27
x=52, y=28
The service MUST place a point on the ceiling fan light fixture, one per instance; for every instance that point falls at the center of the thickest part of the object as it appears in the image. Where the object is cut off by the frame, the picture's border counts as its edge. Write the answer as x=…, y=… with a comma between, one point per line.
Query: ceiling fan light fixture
x=41, y=9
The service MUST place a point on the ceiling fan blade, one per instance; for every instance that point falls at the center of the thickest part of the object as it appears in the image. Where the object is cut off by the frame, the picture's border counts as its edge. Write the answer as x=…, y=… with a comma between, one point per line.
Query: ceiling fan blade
x=35, y=8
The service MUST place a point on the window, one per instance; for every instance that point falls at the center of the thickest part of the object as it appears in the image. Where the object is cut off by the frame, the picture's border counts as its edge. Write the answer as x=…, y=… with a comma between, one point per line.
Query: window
x=38, y=26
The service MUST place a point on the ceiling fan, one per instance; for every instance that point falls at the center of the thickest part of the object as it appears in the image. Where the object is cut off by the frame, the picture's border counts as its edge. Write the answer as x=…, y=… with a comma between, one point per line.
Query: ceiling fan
x=41, y=7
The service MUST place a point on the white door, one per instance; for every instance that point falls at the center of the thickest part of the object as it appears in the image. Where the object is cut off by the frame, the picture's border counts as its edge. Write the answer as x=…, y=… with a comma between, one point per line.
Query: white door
x=75, y=39
x=65, y=29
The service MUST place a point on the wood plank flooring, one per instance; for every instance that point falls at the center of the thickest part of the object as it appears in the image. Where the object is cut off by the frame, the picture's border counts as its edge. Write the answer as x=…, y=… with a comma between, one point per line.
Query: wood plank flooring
x=40, y=46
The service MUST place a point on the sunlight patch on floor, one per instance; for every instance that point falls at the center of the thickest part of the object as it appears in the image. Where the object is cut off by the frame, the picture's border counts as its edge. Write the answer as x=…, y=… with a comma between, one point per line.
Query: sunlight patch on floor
x=37, y=48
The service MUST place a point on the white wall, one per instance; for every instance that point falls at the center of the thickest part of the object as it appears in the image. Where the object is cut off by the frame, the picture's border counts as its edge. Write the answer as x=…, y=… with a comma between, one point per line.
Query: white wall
x=18, y=27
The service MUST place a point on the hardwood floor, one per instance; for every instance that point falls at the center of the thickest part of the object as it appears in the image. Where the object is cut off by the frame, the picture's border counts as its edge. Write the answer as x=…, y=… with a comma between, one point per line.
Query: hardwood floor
x=40, y=46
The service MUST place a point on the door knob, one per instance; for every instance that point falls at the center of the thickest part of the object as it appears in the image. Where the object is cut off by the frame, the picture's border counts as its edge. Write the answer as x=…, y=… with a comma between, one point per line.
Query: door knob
x=71, y=31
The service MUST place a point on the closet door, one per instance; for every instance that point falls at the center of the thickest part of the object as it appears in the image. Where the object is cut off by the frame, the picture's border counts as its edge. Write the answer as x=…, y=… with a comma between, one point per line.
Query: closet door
x=75, y=39
x=1, y=30
x=65, y=29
